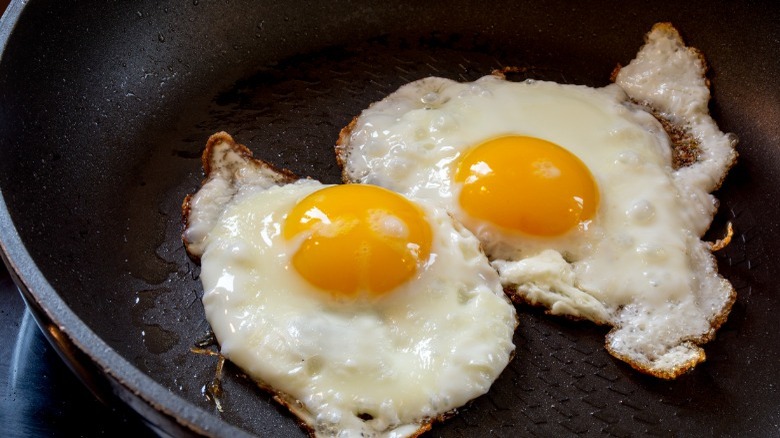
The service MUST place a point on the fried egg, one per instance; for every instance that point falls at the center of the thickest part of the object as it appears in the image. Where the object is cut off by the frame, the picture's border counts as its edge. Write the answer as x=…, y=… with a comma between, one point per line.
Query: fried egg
x=365, y=312
x=576, y=193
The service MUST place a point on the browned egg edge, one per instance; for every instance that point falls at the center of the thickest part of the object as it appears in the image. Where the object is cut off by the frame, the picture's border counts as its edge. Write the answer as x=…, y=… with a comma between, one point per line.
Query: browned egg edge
x=210, y=169
x=282, y=176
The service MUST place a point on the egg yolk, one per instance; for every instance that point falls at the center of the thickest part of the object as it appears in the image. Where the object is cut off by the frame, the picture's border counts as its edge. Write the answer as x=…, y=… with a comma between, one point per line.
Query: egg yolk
x=359, y=239
x=526, y=184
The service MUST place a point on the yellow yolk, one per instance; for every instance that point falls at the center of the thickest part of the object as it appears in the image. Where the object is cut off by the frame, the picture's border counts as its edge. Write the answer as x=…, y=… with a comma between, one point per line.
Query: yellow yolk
x=359, y=239
x=526, y=184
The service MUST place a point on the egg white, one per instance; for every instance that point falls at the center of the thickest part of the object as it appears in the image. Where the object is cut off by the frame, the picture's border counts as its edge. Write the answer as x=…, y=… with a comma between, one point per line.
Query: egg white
x=639, y=264
x=381, y=367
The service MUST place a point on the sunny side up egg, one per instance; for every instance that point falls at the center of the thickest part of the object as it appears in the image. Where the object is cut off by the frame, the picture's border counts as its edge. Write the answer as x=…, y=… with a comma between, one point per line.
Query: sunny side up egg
x=573, y=191
x=366, y=313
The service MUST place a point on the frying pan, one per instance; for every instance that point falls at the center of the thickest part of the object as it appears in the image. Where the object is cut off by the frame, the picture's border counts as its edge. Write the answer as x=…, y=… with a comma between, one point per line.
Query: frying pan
x=107, y=105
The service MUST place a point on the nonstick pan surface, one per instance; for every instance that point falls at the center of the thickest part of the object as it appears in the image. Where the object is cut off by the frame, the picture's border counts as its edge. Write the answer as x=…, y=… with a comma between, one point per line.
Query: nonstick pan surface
x=106, y=106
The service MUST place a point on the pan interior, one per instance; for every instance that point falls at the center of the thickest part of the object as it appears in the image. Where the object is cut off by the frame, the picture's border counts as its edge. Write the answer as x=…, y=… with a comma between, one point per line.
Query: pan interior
x=107, y=108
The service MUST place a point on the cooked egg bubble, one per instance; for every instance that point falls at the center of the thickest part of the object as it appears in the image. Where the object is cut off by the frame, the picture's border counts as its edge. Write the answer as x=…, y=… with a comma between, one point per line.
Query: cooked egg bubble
x=367, y=313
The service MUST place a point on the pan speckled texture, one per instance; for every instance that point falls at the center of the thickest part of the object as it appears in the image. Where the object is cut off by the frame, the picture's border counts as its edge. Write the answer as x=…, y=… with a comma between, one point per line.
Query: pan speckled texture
x=106, y=108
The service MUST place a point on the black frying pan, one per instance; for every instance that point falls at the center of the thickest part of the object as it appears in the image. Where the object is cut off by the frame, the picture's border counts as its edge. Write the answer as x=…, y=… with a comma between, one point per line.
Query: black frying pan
x=105, y=107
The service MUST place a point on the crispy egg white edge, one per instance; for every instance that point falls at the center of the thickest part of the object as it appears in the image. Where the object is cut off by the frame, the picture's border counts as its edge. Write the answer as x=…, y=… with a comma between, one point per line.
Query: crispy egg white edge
x=670, y=77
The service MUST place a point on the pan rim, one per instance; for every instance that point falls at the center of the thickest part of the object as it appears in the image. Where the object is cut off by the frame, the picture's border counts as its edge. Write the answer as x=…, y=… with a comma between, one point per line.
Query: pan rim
x=33, y=284
x=133, y=383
